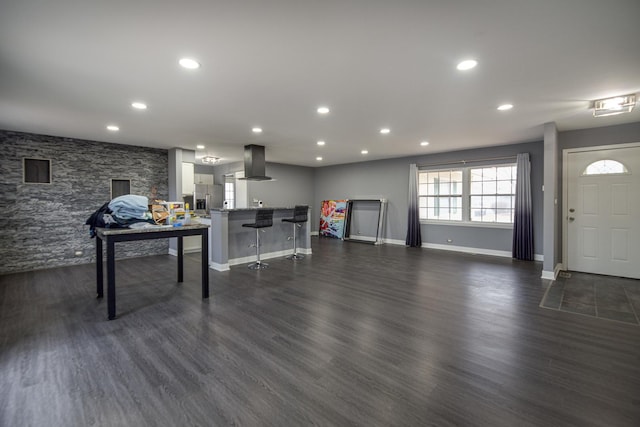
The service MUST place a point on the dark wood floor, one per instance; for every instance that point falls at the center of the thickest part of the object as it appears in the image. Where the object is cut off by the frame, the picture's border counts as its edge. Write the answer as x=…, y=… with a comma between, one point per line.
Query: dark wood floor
x=353, y=335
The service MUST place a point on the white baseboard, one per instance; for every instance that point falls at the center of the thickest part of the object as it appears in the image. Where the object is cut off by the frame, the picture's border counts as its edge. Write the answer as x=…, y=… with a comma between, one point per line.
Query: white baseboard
x=395, y=242
x=552, y=275
x=548, y=275
x=268, y=255
x=315, y=233
x=362, y=238
x=465, y=249
x=468, y=250
x=246, y=260
x=174, y=252
x=219, y=267
x=478, y=251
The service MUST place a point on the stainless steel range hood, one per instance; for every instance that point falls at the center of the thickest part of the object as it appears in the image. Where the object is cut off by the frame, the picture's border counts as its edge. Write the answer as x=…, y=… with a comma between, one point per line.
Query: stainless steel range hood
x=254, y=163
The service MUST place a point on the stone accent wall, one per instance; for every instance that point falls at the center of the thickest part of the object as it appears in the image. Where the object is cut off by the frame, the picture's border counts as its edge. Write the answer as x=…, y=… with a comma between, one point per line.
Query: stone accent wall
x=42, y=225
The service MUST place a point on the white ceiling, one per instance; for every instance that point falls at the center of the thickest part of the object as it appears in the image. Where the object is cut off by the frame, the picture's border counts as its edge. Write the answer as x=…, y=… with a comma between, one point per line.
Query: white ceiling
x=69, y=68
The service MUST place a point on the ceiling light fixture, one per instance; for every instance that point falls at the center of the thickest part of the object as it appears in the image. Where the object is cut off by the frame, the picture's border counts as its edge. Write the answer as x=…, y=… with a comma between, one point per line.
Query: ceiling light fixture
x=385, y=131
x=318, y=158
x=467, y=64
x=505, y=107
x=113, y=128
x=613, y=106
x=200, y=147
x=424, y=143
x=139, y=105
x=189, y=63
x=210, y=160
x=323, y=110
x=256, y=130
x=364, y=152
x=320, y=143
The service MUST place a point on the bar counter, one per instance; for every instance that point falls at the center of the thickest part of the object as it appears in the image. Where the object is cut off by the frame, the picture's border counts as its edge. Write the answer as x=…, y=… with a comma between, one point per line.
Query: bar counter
x=231, y=242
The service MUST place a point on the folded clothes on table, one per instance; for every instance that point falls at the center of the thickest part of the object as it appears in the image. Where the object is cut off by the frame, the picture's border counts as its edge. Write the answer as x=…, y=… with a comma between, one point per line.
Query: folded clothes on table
x=130, y=206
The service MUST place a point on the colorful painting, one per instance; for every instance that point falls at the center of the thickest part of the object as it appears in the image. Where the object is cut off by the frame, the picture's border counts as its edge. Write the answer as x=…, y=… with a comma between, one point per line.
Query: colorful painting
x=332, y=218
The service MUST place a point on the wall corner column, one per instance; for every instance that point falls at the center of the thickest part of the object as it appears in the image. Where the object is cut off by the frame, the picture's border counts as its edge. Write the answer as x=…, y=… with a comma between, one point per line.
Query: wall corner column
x=551, y=217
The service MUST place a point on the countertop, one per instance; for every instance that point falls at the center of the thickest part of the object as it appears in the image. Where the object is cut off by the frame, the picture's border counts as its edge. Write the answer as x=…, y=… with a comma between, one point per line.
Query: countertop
x=149, y=229
x=275, y=208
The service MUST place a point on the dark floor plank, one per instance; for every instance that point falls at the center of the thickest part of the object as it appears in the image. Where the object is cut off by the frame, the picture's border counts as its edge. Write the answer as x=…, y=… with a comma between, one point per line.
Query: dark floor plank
x=352, y=335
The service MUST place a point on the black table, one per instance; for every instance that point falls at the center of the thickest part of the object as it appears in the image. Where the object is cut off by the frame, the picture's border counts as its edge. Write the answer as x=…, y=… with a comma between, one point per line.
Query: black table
x=111, y=236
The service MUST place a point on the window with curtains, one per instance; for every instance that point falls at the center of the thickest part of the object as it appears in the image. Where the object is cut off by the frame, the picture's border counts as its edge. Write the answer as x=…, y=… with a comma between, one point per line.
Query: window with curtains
x=440, y=195
x=483, y=194
x=492, y=194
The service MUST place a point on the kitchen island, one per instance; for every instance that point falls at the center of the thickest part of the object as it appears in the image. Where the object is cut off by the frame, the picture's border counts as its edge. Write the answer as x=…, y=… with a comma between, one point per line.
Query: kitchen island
x=231, y=243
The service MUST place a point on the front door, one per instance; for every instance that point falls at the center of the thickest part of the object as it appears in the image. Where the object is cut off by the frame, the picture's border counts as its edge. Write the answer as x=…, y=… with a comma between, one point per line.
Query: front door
x=603, y=218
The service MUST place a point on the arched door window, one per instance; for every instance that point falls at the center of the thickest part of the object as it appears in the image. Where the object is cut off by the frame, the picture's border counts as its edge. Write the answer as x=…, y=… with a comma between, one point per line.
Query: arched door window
x=605, y=167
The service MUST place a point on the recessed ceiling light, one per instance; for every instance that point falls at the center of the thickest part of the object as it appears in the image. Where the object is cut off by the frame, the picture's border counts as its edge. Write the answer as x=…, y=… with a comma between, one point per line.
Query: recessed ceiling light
x=364, y=152
x=139, y=105
x=189, y=63
x=424, y=143
x=467, y=64
x=113, y=128
x=505, y=107
x=320, y=142
x=256, y=130
x=385, y=131
x=200, y=147
x=323, y=110
x=318, y=158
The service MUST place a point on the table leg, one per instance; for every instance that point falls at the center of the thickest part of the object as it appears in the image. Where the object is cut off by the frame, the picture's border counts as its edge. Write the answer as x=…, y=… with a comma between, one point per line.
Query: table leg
x=99, y=280
x=111, y=280
x=180, y=260
x=205, y=263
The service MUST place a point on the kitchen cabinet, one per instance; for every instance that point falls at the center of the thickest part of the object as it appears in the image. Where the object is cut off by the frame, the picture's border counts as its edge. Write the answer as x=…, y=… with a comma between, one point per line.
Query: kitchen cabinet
x=204, y=178
x=188, y=178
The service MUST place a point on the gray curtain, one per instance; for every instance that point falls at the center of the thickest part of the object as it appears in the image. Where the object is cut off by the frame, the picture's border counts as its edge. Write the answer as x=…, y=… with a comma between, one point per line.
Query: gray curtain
x=523, y=215
x=414, y=239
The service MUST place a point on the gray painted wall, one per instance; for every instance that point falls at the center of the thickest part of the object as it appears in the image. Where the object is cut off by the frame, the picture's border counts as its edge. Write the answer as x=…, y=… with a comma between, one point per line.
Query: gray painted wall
x=606, y=135
x=206, y=169
x=389, y=179
x=386, y=179
x=43, y=224
x=551, y=205
x=292, y=185
x=364, y=218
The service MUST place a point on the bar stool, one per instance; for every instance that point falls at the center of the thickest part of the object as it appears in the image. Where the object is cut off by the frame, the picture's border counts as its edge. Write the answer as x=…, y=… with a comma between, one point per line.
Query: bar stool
x=299, y=216
x=264, y=218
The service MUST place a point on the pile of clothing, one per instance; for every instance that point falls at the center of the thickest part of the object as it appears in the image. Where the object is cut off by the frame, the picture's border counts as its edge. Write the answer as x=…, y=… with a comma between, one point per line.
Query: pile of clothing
x=121, y=212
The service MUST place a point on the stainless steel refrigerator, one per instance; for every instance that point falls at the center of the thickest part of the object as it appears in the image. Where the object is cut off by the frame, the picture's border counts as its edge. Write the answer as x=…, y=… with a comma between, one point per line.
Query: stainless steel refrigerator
x=207, y=197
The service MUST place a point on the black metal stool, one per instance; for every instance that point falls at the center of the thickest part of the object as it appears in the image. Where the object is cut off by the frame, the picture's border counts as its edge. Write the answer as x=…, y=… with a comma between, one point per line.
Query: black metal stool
x=299, y=216
x=264, y=218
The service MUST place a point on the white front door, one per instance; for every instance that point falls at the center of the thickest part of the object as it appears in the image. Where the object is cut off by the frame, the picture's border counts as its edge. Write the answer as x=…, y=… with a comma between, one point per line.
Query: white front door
x=603, y=212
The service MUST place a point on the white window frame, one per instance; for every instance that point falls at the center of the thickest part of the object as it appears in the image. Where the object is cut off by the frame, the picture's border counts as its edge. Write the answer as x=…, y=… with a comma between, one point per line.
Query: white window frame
x=230, y=193
x=466, y=199
x=448, y=195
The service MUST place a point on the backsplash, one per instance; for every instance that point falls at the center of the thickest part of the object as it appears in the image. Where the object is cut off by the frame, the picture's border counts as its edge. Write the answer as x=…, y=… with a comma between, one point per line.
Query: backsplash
x=42, y=225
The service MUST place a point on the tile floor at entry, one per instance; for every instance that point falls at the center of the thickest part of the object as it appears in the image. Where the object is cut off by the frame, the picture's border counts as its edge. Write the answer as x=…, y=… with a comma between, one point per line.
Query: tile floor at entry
x=604, y=297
